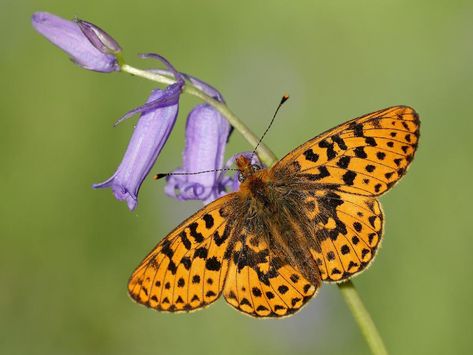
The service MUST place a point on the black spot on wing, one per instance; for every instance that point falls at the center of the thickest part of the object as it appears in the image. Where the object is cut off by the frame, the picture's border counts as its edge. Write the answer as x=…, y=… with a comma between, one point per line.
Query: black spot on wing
x=349, y=177
x=198, y=237
x=256, y=292
x=357, y=226
x=283, y=289
x=172, y=267
x=360, y=153
x=201, y=252
x=329, y=146
x=186, y=261
x=310, y=155
x=371, y=141
x=213, y=264
x=209, y=220
x=370, y=168
x=340, y=142
x=357, y=129
x=323, y=172
x=185, y=241
x=381, y=155
x=343, y=162
x=220, y=239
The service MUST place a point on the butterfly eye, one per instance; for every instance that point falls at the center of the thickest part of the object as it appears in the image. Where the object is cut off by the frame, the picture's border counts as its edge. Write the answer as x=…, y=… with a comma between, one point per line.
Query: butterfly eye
x=255, y=167
x=241, y=178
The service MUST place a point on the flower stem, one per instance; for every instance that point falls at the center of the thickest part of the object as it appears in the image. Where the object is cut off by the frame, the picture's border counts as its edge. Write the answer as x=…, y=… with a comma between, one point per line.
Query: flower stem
x=360, y=313
x=266, y=155
x=363, y=318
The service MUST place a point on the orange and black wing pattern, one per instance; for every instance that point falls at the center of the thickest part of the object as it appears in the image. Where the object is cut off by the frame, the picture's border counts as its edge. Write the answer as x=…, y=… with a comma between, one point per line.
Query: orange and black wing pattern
x=348, y=230
x=345, y=168
x=261, y=284
x=364, y=156
x=187, y=269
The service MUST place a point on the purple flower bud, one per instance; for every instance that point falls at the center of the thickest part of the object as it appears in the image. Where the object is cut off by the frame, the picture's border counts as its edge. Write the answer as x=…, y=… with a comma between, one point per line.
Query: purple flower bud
x=98, y=37
x=68, y=36
x=206, y=135
x=150, y=135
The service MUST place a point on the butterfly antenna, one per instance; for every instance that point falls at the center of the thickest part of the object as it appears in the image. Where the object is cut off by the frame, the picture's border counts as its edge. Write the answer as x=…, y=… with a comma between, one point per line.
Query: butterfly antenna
x=283, y=100
x=161, y=175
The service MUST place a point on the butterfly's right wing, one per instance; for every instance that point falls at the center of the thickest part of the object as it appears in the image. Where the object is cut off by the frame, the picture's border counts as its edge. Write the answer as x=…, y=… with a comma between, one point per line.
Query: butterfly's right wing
x=261, y=284
x=187, y=269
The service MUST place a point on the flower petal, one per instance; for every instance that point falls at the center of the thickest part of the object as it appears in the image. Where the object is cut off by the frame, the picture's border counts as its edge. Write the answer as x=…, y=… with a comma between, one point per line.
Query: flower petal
x=170, y=97
x=151, y=133
x=206, y=136
x=98, y=37
x=68, y=36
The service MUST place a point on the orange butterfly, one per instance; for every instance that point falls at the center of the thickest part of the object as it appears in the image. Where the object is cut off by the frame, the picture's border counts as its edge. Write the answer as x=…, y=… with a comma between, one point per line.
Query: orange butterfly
x=312, y=217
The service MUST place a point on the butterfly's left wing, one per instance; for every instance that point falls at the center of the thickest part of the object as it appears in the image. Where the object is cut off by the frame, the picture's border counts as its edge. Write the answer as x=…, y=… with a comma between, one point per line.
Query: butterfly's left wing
x=187, y=269
x=262, y=285
x=364, y=156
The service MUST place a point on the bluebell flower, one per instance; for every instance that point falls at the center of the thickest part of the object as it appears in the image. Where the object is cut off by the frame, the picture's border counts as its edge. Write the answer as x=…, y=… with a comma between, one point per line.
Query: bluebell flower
x=154, y=126
x=206, y=136
x=86, y=44
x=203, y=176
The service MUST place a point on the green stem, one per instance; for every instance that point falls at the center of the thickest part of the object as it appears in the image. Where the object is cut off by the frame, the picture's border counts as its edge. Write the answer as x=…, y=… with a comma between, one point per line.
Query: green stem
x=362, y=317
x=266, y=155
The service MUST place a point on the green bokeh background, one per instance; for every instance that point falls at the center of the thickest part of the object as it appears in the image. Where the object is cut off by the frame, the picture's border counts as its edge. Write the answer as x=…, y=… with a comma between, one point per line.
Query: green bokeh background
x=67, y=250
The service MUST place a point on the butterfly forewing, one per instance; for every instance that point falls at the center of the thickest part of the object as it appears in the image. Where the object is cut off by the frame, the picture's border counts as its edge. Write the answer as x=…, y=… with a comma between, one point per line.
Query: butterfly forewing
x=366, y=155
x=187, y=269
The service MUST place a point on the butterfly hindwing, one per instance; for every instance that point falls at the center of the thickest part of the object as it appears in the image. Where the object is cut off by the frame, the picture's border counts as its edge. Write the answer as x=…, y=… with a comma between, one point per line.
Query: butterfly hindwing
x=366, y=155
x=260, y=284
x=187, y=269
x=348, y=232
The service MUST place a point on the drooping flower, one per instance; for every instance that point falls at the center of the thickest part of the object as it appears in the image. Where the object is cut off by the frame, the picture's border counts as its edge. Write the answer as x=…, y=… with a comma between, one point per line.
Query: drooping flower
x=86, y=44
x=206, y=135
x=154, y=126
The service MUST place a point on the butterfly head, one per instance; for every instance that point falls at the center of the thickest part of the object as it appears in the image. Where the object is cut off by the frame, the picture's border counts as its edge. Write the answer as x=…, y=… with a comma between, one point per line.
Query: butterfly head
x=245, y=167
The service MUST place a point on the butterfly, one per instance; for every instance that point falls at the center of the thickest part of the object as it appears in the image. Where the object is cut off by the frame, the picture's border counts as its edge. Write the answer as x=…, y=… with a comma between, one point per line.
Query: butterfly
x=312, y=217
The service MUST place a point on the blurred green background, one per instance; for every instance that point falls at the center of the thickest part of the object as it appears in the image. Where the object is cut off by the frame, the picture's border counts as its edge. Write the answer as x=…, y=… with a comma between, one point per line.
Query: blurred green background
x=67, y=250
